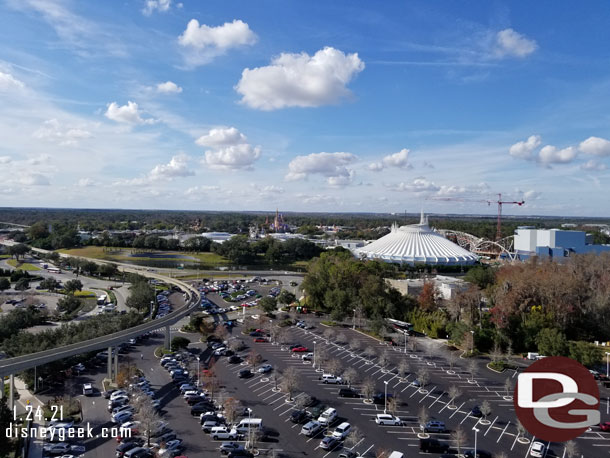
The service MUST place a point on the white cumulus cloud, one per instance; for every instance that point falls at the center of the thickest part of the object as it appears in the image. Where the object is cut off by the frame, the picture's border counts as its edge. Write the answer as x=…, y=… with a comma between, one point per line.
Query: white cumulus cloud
x=418, y=185
x=595, y=146
x=199, y=190
x=5, y=159
x=525, y=149
x=549, y=154
x=300, y=80
x=176, y=167
x=34, y=179
x=594, y=166
x=126, y=114
x=399, y=160
x=169, y=87
x=229, y=149
x=52, y=130
x=513, y=44
x=333, y=166
x=159, y=5
x=203, y=42
x=85, y=183
x=9, y=83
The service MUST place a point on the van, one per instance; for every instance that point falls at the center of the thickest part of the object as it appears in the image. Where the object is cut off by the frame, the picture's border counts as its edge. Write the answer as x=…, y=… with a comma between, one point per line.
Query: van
x=249, y=423
x=87, y=389
x=328, y=416
x=311, y=428
x=342, y=431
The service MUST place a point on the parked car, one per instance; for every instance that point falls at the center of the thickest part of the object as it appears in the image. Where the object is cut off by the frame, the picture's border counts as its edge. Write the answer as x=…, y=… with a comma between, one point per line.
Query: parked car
x=228, y=447
x=480, y=454
x=327, y=417
x=234, y=359
x=208, y=425
x=223, y=433
x=348, y=393
x=380, y=398
x=387, y=419
x=329, y=442
x=476, y=412
x=538, y=449
x=300, y=350
x=265, y=368
x=299, y=416
x=245, y=373
x=433, y=426
x=431, y=445
x=329, y=378
x=342, y=431
x=605, y=426
x=348, y=454
x=311, y=428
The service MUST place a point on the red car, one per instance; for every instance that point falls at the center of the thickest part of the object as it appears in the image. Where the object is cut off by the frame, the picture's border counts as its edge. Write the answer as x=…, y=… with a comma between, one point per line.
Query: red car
x=260, y=339
x=605, y=426
x=299, y=349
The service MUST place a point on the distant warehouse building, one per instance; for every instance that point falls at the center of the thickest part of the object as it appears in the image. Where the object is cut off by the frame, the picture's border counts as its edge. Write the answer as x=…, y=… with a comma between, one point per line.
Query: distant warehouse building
x=553, y=243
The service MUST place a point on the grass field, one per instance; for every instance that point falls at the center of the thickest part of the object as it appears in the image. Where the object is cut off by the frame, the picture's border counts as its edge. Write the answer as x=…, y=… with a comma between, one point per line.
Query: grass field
x=122, y=254
x=84, y=294
x=22, y=266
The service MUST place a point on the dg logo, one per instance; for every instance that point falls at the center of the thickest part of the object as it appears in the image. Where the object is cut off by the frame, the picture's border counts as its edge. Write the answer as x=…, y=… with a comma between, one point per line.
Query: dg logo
x=557, y=399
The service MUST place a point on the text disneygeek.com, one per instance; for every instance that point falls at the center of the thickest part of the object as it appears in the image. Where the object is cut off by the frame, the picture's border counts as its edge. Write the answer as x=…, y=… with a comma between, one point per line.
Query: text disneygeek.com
x=61, y=434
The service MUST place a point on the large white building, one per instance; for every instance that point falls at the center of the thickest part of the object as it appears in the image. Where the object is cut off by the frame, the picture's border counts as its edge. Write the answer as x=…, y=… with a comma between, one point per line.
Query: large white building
x=553, y=243
x=416, y=244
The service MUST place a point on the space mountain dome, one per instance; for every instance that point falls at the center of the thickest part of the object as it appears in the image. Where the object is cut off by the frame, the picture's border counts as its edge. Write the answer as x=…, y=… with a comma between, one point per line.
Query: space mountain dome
x=416, y=244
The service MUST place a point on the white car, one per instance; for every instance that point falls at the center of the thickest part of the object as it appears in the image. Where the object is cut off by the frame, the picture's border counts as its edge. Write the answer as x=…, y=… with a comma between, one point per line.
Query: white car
x=538, y=449
x=223, y=433
x=387, y=419
x=118, y=393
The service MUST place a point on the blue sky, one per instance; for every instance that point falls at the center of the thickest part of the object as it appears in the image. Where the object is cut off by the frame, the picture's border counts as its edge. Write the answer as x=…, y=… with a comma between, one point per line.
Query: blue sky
x=306, y=106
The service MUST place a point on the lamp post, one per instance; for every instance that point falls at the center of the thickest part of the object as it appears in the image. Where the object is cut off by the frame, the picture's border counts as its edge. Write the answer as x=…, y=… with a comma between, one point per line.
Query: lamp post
x=354, y=320
x=472, y=346
x=271, y=331
x=476, y=430
x=406, y=333
x=607, y=364
x=385, y=398
x=249, y=413
x=198, y=373
x=314, y=355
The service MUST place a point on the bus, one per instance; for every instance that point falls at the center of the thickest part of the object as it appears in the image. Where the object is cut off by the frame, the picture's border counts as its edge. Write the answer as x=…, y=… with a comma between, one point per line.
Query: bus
x=401, y=325
x=53, y=270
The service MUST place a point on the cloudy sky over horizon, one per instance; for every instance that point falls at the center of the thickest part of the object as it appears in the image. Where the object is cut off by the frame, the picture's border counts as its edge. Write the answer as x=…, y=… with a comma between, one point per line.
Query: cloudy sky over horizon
x=305, y=106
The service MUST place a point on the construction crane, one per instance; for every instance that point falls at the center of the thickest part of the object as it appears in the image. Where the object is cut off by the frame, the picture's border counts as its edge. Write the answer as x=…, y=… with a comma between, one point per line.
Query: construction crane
x=499, y=202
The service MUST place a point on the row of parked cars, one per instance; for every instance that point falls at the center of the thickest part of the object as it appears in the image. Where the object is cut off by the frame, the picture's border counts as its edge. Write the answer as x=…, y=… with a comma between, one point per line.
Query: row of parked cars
x=164, y=307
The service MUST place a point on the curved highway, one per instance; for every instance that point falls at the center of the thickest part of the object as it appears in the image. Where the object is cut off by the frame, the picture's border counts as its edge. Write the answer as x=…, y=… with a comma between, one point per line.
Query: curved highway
x=20, y=363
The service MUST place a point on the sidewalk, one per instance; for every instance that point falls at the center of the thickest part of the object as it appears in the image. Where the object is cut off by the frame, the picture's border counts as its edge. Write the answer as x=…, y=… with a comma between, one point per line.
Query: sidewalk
x=27, y=398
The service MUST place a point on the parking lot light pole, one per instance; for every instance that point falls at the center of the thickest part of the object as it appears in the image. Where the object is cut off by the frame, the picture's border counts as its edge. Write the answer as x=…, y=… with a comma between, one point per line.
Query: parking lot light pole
x=271, y=331
x=354, y=320
x=385, y=399
x=405, y=341
x=607, y=364
x=476, y=430
x=198, y=373
x=249, y=413
x=314, y=354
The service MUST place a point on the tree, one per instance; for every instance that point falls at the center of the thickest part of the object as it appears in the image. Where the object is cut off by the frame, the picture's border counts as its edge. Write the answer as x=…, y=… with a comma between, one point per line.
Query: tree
x=585, y=353
x=148, y=417
x=5, y=284
x=355, y=345
x=368, y=388
x=232, y=408
x=384, y=359
x=507, y=386
x=68, y=304
x=353, y=438
x=334, y=366
x=423, y=375
x=459, y=438
x=302, y=401
x=496, y=353
x=370, y=353
x=351, y=376
x=6, y=418
x=393, y=404
x=403, y=367
x=108, y=270
x=423, y=416
x=210, y=382
x=22, y=284
x=329, y=333
x=482, y=276
x=179, y=343
x=71, y=286
x=520, y=429
x=552, y=342
x=140, y=296
x=49, y=284
x=485, y=409
x=452, y=358
x=286, y=297
x=454, y=393
x=571, y=449
x=472, y=368
x=290, y=382
x=236, y=344
x=341, y=338
x=268, y=304
x=18, y=250
x=254, y=359
x=428, y=297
